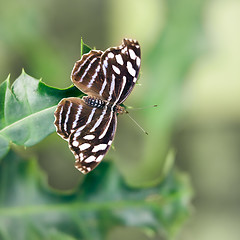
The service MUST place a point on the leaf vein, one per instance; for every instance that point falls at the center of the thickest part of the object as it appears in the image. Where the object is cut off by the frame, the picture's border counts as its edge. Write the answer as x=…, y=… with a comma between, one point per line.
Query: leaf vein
x=25, y=118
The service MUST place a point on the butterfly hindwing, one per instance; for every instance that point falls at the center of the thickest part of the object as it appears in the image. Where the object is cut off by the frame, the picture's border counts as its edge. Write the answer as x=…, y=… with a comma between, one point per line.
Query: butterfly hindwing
x=90, y=151
x=87, y=73
x=89, y=131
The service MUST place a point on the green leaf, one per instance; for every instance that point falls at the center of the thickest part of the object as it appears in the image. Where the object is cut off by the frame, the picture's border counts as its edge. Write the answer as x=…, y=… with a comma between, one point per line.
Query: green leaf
x=29, y=209
x=27, y=109
x=84, y=47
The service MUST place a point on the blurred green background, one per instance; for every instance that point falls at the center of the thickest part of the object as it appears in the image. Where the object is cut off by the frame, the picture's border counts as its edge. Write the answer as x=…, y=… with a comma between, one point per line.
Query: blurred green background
x=190, y=67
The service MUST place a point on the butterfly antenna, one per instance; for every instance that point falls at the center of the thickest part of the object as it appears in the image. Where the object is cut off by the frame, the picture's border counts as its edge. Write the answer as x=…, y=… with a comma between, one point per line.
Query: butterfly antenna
x=136, y=123
x=133, y=108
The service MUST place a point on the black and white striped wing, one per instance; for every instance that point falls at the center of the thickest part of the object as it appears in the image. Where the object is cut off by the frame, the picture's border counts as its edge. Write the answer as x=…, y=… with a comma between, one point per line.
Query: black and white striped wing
x=120, y=68
x=88, y=130
x=87, y=73
x=109, y=75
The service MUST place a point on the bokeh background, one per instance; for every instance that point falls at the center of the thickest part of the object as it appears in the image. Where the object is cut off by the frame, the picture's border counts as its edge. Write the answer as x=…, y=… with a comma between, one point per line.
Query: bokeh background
x=190, y=68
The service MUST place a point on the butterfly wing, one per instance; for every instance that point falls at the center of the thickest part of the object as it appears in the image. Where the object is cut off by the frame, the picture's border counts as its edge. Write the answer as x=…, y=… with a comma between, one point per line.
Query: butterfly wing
x=87, y=73
x=89, y=131
x=111, y=75
x=120, y=68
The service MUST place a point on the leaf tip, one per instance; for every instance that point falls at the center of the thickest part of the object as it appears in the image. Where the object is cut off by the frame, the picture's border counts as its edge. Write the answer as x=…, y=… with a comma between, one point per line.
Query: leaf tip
x=81, y=47
x=8, y=80
x=23, y=73
x=8, y=77
x=84, y=48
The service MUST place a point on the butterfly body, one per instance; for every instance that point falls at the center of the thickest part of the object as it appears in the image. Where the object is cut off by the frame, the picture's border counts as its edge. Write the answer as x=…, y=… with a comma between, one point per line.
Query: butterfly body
x=94, y=102
x=89, y=124
x=98, y=103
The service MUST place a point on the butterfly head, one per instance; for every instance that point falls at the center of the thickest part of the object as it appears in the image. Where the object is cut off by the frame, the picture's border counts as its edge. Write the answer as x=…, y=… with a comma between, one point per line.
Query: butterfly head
x=120, y=110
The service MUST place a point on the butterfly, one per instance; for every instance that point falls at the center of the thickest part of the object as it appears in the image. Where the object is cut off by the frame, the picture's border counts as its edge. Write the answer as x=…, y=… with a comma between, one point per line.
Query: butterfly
x=89, y=123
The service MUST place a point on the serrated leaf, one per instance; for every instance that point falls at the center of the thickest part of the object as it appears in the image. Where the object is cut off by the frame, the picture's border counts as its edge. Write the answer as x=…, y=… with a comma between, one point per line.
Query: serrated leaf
x=30, y=210
x=26, y=110
x=27, y=107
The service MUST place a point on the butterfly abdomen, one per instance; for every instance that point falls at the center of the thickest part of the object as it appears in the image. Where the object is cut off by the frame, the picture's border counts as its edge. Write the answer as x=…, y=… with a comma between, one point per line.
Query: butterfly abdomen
x=94, y=102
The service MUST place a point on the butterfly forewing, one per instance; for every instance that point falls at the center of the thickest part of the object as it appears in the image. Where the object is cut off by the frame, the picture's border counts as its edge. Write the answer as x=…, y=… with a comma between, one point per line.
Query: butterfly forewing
x=89, y=124
x=89, y=131
x=120, y=70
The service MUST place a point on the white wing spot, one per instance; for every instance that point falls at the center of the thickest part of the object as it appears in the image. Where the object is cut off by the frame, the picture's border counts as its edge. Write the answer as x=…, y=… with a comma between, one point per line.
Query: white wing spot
x=81, y=157
x=119, y=59
x=82, y=170
x=110, y=55
x=75, y=143
x=99, y=159
x=110, y=142
x=99, y=147
x=77, y=134
x=105, y=62
x=138, y=61
x=130, y=68
x=134, y=79
x=104, y=70
x=132, y=54
x=112, y=87
x=124, y=50
x=90, y=159
x=89, y=137
x=84, y=146
x=116, y=69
